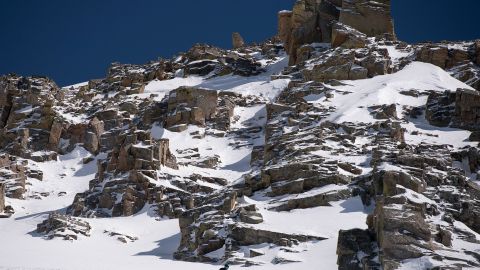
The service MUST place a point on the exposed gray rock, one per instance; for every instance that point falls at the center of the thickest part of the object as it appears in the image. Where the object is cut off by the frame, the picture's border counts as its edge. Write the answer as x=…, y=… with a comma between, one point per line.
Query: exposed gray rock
x=65, y=227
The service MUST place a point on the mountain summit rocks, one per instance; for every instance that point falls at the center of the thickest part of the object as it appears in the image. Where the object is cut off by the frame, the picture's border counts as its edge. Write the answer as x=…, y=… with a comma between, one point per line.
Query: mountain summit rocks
x=311, y=21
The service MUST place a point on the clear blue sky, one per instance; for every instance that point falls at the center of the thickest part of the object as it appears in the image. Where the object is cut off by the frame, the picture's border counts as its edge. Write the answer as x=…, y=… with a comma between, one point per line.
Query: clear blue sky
x=73, y=41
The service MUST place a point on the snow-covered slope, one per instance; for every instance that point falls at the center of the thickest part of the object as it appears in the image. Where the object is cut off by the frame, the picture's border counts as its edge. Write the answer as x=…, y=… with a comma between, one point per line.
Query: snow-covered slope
x=282, y=175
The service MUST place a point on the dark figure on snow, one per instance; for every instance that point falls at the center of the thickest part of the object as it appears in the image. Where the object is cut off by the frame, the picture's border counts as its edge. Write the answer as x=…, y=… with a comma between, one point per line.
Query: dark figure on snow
x=225, y=267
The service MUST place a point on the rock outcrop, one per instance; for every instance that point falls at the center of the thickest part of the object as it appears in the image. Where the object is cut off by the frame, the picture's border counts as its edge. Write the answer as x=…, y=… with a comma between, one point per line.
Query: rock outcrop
x=355, y=249
x=188, y=105
x=26, y=104
x=237, y=41
x=205, y=60
x=347, y=37
x=13, y=176
x=372, y=18
x=341, y=64
x=333, y=21
x=64, y=227
x=129, y=172
x=467, y=113
x=209, y=228
x=456, y=109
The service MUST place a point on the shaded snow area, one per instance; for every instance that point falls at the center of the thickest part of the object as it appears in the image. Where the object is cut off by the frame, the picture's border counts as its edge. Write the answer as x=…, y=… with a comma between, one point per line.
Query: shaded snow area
x=148, y=241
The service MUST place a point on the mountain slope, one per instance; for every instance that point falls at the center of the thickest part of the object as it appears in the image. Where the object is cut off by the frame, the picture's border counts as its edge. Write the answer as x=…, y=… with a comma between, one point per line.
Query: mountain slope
x=338, y=148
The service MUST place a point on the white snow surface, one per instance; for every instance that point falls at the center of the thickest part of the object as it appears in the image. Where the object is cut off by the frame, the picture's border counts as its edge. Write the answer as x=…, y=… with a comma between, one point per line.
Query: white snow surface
x=352, y=105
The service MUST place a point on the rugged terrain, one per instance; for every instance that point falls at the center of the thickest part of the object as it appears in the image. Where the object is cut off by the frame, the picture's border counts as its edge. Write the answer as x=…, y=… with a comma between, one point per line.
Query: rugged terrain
x=330, y=146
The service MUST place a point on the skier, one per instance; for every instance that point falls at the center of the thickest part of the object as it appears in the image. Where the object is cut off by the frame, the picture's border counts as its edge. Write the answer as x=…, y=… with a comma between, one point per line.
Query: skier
x=225, y=267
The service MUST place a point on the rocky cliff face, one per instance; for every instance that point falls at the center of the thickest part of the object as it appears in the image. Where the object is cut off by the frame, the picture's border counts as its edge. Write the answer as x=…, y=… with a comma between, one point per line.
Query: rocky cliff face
x=321, y=20
x=333, y=145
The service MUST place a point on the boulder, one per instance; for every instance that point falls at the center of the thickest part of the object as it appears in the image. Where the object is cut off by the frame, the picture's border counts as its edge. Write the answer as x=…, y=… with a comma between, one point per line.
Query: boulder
x=444, y=237
x=347, y=37
x=62, y=226
x=237, y=41
x=250, y=217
